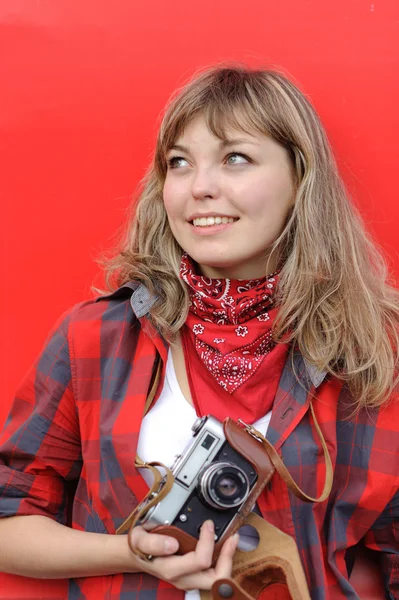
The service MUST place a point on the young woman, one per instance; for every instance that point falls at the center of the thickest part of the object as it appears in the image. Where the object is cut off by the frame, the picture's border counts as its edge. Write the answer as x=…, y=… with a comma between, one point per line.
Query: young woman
x=247, y=272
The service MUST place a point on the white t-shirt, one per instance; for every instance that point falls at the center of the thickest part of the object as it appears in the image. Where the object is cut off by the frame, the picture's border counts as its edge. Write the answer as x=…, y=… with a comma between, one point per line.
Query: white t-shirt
x=166, y=429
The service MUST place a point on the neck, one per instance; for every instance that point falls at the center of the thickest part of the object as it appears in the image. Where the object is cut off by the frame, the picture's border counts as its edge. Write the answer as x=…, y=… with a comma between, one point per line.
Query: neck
x=242, y=272
x=232, y=274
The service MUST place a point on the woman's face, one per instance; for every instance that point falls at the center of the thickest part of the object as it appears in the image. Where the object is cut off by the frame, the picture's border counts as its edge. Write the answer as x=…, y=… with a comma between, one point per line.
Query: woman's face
x=227, y=203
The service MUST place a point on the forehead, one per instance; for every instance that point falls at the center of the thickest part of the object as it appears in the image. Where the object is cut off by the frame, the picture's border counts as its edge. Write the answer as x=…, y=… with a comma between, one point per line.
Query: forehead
x=224, y=131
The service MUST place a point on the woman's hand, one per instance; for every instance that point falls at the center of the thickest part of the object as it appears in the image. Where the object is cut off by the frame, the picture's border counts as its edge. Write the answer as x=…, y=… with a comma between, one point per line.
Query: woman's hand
x=190, y=571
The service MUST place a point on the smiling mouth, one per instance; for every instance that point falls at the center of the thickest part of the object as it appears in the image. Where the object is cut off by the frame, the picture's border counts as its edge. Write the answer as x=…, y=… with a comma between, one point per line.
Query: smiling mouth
x=209, y=221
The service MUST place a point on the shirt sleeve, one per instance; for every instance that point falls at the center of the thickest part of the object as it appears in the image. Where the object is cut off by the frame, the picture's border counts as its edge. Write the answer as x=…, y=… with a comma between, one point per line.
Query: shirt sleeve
x=384, y=537
x=40, y=446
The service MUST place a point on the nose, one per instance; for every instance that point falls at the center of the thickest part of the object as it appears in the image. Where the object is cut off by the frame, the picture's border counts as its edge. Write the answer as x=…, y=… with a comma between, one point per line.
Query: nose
x=205, y=183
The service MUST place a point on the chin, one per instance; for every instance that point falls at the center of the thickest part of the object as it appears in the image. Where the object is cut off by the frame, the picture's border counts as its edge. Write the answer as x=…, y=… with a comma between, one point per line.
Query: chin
x=212, y=263
x=215, y=269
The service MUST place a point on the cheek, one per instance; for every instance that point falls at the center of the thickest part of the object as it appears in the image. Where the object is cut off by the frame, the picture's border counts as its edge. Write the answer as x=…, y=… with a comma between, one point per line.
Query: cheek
x=269, y=203
x=168, y=202
x=279, y=193
x=171, y=200
x=166, y=194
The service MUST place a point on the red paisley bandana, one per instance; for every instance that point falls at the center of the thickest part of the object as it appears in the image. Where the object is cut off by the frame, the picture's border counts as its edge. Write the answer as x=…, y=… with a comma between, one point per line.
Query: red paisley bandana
x=228, y=331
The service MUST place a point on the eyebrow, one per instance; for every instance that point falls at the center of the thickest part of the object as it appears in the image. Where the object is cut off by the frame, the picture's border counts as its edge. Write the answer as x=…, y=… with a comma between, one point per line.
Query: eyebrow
x=223, y=144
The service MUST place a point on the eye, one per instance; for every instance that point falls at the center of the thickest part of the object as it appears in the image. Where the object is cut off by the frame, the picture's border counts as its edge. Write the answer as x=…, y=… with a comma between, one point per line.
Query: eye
x=174, y=162
x=242, y=159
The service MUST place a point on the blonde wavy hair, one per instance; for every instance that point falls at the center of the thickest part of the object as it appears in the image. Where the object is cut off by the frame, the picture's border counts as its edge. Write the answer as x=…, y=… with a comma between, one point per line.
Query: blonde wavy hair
x=335, y=301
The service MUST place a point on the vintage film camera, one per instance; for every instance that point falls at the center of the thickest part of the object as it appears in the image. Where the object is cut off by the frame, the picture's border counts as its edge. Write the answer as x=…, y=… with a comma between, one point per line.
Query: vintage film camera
x=218, y=476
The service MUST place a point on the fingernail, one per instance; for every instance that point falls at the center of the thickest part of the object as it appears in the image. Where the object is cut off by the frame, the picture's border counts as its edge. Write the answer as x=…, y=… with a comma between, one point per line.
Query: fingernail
x=171, y=545
x=210, y=526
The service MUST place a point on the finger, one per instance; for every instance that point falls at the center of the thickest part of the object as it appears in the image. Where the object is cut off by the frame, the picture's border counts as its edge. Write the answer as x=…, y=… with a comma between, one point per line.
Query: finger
x=205, y=546
x=224, y=565
x=152, y=543
x=192, y=562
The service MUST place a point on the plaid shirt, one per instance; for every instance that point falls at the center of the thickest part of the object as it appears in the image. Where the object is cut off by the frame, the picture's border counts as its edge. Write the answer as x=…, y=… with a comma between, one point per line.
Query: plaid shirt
x=77, y=416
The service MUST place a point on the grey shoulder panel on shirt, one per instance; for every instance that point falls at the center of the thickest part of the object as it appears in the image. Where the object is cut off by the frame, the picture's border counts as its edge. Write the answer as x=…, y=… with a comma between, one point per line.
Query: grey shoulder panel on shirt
x=315, y=375
x=126, y=290
x=141, y=299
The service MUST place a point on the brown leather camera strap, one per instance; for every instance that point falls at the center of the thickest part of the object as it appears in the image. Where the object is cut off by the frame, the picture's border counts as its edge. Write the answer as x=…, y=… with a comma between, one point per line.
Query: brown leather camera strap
x=282, y=469
x=269, y=448
x=155, y=494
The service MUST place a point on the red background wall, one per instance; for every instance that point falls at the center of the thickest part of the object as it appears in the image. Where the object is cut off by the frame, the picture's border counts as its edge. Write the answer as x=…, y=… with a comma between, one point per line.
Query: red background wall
x=82, y=84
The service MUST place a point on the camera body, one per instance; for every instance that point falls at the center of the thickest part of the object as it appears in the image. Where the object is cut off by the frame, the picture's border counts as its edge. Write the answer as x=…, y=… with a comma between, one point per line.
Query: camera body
x=212, y=480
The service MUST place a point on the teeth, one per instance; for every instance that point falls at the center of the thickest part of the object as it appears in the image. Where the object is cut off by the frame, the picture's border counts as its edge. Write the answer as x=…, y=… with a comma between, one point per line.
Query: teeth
x=208, y=221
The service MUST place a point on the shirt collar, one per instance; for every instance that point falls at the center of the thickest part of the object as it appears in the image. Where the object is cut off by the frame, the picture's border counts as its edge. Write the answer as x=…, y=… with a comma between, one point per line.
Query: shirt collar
x=141, y=301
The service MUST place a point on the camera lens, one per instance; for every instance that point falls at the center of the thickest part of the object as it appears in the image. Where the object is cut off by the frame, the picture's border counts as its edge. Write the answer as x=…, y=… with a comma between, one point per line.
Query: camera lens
x=226, y=486
x=223, y=485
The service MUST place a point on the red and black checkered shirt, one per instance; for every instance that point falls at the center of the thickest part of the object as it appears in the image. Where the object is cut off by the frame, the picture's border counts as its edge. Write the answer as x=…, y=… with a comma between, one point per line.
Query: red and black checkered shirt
x=76, y=418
